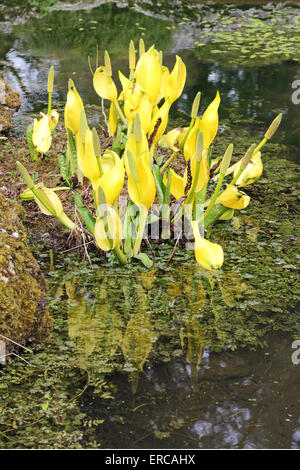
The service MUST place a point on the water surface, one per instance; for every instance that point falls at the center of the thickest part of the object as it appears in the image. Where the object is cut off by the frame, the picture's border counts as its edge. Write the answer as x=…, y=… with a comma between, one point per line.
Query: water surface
x=67, y=36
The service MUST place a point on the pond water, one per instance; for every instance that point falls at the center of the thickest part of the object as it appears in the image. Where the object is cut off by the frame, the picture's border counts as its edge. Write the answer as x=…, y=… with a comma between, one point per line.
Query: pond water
x=255, y=81
x=174, y=357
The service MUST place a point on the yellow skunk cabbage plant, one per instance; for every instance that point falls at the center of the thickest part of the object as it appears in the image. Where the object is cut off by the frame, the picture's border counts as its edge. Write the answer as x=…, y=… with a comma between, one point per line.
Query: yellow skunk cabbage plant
x=39, y=134
x=136, y=193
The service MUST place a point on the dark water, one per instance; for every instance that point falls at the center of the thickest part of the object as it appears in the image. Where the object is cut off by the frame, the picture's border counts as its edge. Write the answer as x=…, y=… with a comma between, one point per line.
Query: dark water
x=215, y=362
x=242, y=400
x=66, y=38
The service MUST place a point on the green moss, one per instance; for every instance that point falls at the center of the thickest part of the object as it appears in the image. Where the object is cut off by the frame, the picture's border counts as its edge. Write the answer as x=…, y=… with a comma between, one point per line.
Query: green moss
x=22, y=284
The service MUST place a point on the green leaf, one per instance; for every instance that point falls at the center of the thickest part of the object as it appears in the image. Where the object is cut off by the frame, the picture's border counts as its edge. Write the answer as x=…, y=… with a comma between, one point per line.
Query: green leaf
x=71, y=153
x=84, y=213
x=26, y=176
x=145, y=259
x=160, y=187
x=33, y=152
x=214, y=214
x=152, y=218
x=64, y=168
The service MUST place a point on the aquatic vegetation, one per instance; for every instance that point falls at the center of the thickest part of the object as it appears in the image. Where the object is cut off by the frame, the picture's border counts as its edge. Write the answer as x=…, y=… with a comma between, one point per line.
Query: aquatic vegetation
x=138, y=121
x=250, y=37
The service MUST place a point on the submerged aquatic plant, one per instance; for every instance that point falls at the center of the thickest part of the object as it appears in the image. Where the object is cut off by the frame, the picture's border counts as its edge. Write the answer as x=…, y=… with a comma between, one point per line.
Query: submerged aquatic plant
x=138, y=120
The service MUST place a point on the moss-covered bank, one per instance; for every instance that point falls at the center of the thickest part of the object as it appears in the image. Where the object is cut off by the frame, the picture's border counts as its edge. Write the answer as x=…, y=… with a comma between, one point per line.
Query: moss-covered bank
x=23, y=314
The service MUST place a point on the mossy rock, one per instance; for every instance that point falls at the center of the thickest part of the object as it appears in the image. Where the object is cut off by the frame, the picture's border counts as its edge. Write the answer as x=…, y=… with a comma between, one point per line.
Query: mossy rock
x=23, y=288
x=9, y=103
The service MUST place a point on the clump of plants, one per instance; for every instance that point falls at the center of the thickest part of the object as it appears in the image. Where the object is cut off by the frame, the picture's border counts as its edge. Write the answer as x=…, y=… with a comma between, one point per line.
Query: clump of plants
x=158, y=201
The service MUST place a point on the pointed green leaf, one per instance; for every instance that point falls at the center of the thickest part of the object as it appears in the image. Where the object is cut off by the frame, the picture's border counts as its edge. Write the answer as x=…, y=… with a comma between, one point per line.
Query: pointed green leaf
x=145, y=259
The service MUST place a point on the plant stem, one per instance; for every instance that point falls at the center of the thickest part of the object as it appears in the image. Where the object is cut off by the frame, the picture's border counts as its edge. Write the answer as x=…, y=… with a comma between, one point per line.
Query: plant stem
x=119, y=253
x=169, y=161
x=49, y=103
x=260, y=145
x=100, y=166
x=142, y=223
x=119, y=110
x=174, y=154
x=215, y=195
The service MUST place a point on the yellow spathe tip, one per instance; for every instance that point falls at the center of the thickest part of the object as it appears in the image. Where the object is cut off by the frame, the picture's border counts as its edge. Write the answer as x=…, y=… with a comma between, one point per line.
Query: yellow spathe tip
x=41, y=136
x=232, y=198
x=208, y=254
x=104, y=84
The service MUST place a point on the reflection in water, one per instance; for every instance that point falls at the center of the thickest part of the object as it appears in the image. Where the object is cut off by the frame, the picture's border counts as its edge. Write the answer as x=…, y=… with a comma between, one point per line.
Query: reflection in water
x=126, y=315
x=138, y=337
x=195, y=335
x=232, y=286
x=92, y=322
x=231, y=406
x=171, y=332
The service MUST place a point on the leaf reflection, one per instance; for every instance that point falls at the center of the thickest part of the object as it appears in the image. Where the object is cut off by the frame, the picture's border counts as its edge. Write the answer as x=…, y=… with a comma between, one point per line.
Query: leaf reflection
x=116, y=322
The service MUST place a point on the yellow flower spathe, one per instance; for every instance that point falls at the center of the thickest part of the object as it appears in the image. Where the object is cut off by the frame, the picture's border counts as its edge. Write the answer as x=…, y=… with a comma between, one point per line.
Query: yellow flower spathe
x=209, y=255
x=104, y=84
x=112, y=119
x=53, y=120
x=208, y=125
x=177, y=184
x=233, y=198
x=86, y=157
x=148, y=73
x=203, y=176
x=112, y=180
x=108, y=229
x=126, y=85
x=145, y=112
x=164, y=83
x=54, y=203
x=73, y=107
x=138, y=149
x=132, y=101
x=173, y=138
x=176, y=81
x=252, y=172
x=143, y=192
x=41, y=136
x=210, y=121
